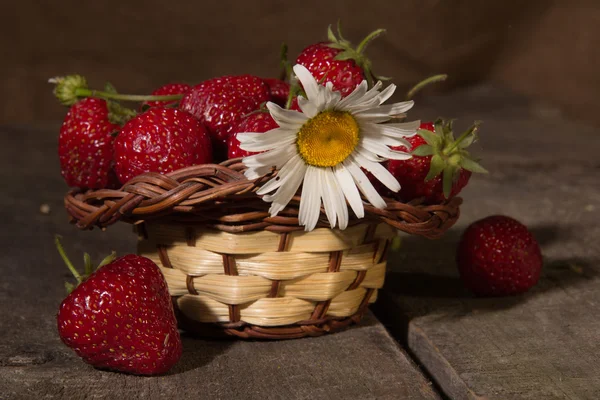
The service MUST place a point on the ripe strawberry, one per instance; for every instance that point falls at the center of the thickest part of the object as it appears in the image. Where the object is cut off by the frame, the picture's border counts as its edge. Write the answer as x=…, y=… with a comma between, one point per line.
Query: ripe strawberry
x=278, y=91
x=255, y=122
x=336, y=61
x=218, y=103
x=498, y=256
x=121, y=317
x=168, y=89
x=85, y=145
x=160, y=140
x=440, y=167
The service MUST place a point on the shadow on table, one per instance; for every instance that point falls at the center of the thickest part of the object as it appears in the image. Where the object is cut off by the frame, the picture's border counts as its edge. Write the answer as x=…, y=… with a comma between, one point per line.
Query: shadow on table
x=198, y=352
x=424, y=282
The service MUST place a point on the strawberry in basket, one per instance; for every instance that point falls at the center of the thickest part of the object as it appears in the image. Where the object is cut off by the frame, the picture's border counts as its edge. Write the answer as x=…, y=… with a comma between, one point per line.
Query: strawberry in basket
x=120, y=317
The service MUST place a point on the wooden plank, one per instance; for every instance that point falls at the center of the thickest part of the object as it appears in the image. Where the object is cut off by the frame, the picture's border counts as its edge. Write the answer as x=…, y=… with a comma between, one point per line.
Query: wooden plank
x=360, y=363
x=542, y=345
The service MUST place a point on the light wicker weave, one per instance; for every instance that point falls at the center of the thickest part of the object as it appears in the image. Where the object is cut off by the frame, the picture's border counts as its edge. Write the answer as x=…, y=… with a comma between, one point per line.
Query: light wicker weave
x=234, y=270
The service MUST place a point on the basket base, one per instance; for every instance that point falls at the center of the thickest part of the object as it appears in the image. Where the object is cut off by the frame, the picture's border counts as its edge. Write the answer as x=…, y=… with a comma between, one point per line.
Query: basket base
x=255, y=332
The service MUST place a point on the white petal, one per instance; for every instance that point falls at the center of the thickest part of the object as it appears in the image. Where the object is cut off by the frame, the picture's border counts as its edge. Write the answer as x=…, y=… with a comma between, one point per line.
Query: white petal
x=386, y=93
x=389, y=109
x=285, y=193
x=310, y=203
x=266, y=141
x=282, y=175
x=379, y=171
x=364, y=184
x=328, y=196
x=350, y=190
x=358, y=92
x=339, y=202
x=307, y=107
x=310, y=85
x=406, y=129
x=272, y=158
x=283, y=116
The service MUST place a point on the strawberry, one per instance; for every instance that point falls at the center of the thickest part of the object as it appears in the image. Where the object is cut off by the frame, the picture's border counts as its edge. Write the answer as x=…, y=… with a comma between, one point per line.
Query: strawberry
x=440, y=167
x=168, y=89
x=160, y=140
x=336, y=61
x=218, y=103
x=256, y=122
x=498, y=256
x=121, y=317
x=85, y=145
x=278, y=91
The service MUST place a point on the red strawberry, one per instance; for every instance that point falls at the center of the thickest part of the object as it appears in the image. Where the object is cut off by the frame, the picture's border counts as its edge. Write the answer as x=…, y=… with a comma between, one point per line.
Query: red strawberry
x=440, y=167
x=218, y=103
x=255, y=122
x=121, y=318
x=85, y=145
x=498, y=256
x=160, y=140
x=336, y=61
x=168, y=89
x=278, y=91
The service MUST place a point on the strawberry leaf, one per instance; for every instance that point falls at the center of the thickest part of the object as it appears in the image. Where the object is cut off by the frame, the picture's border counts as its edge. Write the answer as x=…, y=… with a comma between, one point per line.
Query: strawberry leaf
x=448, y=180
x=109, y=88
x=108, y=259
x=345, y=55
x=471, y=165
x=330, y=35
x=69, y=287
x=423, y=150
x=469, y=140
x=437, y=165
x=430, y=137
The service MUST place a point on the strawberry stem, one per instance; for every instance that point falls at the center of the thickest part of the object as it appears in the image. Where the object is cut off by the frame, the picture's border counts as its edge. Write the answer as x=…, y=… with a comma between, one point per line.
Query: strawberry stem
x=425, y=82
x=65, y=258
x=367, y=40
x=84, y=92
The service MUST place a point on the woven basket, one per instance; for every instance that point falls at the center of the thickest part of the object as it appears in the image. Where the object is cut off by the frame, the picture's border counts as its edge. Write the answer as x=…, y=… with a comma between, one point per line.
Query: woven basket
x=234, y=270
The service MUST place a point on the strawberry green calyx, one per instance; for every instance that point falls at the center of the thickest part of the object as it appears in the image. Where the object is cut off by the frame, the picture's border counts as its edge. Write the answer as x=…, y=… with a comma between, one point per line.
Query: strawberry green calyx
x=66, y=87
x=449, y=155
x=88, y=267
x=357, y=54
x=71, y=88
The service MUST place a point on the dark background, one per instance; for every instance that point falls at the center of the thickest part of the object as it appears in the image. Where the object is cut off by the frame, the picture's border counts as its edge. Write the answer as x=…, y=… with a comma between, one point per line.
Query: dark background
x=545, y=49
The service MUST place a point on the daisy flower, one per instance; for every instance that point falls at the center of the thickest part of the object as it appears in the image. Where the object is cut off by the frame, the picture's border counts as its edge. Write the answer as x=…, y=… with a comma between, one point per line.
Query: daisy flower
x=325, y=148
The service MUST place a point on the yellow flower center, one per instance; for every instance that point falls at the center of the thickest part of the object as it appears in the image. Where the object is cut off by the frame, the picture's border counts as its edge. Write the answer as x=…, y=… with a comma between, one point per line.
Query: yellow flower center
x=328, y=139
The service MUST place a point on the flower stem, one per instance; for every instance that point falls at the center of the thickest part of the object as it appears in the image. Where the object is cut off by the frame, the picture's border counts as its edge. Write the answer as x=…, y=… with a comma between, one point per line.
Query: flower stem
x=432, y=79
x=84, y=92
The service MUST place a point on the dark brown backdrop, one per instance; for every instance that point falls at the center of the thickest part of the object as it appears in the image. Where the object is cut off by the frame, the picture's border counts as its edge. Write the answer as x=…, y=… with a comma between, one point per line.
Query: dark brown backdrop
x=543, y=48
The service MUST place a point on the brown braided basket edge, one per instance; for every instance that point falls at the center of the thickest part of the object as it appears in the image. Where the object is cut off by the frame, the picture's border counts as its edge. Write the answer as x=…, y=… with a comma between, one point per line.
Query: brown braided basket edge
x=219, y=196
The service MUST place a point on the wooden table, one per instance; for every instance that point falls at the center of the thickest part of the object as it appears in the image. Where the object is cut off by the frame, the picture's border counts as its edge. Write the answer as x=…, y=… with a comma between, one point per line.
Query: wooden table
x=543, y=345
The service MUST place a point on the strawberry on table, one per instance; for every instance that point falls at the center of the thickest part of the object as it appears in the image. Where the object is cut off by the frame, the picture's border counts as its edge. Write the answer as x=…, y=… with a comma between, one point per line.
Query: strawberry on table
x=160, y=140
x=168, y=89
x=218, y=103
x=336, y=61
x=121, y=317
x=255, y=122
x=498, y=256
x=85, y=145
x=440, y=167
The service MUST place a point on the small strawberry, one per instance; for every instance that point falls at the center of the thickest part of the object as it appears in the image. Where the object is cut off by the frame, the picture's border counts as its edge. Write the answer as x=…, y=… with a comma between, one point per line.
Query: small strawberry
x=278, y=91
x=168, y=89
x=255, y=122
x=85, y=145
x=498, y=256
x=336, y=61
x=160, y=140
x=440, y=167
x=218, y=103
x=121, y=317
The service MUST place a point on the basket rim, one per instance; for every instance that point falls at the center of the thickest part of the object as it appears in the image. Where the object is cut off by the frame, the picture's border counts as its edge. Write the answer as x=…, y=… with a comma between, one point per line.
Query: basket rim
x=219, y=196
